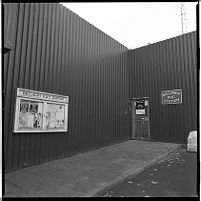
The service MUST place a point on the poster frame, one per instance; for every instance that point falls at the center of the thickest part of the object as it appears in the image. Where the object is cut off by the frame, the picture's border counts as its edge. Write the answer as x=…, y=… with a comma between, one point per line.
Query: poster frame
x=45, y=102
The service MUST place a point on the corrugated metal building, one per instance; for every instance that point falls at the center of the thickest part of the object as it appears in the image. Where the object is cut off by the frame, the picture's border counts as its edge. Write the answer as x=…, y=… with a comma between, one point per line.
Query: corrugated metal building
x=169, y=64
x=49, y=48
x=56, y=51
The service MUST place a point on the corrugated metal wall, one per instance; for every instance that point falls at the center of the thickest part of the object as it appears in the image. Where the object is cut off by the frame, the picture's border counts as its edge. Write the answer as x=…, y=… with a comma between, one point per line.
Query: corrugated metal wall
x=169, y=64
x=10, y=16
x=56, y=51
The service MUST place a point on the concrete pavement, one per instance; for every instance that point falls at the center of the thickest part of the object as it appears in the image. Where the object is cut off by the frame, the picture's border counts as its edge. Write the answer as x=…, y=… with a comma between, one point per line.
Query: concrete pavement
x=174, y=176
x=88, y=173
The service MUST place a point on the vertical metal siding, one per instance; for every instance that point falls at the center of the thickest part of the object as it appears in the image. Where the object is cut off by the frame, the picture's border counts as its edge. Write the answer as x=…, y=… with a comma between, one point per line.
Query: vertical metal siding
x=10, y=16
x=168, y=64
x=56, y=51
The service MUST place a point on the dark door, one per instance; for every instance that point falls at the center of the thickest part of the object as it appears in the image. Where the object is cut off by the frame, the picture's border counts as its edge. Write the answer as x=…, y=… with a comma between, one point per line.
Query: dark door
x=140, y=119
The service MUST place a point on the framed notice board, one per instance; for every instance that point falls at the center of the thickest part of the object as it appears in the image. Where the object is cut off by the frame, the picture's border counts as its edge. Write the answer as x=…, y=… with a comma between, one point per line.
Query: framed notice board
x=37, y=111
x=171, y=96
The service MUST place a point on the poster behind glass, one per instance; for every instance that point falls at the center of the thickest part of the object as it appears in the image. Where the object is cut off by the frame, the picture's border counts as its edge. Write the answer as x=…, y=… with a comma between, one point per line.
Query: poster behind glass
x=55, y=116
x=30, y=114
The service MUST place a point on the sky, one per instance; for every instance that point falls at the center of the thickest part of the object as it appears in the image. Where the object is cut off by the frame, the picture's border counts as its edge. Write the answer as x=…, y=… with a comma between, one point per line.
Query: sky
x=135, y=24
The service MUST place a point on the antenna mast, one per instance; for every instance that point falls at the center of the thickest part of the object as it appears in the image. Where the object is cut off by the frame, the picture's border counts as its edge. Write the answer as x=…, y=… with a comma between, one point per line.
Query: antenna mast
x=183, y=18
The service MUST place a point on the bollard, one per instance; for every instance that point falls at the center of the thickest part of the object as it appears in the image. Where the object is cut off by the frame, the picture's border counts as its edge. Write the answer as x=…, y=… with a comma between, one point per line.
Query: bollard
x=192, y=141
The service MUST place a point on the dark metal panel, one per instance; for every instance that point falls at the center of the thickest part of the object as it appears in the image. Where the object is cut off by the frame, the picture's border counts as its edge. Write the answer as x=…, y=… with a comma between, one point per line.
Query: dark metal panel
x=21, y=142
x=42, y=74
x=5, y=71
x=38, y=66
x=12, y=75
x=31, y=77
x=56, y=74
x=10, y=20
x=81, y=127
x=62, y=72
x=56, y=51
x=168, y=64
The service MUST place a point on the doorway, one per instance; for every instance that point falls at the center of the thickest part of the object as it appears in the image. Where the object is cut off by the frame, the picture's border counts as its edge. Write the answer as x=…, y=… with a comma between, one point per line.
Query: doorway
x=140, y=118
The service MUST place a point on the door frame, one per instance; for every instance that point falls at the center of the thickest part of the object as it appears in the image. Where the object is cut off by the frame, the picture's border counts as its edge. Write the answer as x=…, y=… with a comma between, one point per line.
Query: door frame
x=133, y=118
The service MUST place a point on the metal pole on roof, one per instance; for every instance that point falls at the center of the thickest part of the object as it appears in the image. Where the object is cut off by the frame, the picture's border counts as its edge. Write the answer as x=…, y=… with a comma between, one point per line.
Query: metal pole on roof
x=182, y=26
x=185, y=21
x=183, y=18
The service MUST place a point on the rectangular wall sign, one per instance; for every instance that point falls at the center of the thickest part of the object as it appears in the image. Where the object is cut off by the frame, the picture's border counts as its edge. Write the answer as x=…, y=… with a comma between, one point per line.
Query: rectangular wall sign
x=171, y=96
x=142, y=111
x=37, y=111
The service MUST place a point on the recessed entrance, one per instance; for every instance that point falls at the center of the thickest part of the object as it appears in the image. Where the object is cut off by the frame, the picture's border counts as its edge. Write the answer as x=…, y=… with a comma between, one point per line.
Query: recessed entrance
x=140, y=119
